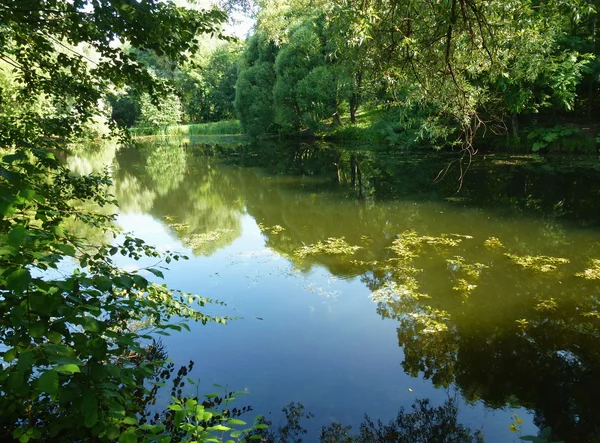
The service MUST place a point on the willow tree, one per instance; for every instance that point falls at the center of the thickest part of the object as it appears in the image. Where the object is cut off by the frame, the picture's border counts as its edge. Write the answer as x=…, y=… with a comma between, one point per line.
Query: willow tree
x=460, y=59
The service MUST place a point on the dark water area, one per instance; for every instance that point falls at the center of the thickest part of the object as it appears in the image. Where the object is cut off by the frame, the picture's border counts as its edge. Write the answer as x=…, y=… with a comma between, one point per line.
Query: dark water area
x=368, y=280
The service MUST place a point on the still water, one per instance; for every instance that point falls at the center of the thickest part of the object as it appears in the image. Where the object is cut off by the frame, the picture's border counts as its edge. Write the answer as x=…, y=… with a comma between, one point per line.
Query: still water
x=361, y=283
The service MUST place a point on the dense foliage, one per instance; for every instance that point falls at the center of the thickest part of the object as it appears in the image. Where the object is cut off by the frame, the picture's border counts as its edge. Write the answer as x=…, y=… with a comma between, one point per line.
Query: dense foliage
x=410, y=74
x=446, y=72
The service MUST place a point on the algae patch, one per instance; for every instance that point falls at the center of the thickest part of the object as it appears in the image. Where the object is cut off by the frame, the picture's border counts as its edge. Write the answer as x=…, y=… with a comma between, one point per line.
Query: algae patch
x=540, y=263
x=592, y=273
x=331, y=246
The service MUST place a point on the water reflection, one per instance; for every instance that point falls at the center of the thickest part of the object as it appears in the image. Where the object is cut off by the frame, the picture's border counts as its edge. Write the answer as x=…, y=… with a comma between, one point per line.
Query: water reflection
x=201, y=205
x=487, y=287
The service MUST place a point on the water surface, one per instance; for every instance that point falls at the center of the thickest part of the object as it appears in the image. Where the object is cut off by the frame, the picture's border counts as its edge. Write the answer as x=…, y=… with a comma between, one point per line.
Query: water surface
x=364, y=284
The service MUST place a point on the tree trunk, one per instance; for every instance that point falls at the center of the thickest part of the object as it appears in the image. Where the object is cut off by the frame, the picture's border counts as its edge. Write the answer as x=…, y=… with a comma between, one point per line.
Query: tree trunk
x=591, y=89
x=514, y=124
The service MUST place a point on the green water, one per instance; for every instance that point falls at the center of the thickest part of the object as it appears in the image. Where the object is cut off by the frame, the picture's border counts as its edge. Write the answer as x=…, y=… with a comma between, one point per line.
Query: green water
x=365, y=284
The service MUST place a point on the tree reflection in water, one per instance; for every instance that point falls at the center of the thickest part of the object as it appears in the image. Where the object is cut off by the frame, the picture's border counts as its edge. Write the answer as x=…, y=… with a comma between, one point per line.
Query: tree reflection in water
x=505, y=309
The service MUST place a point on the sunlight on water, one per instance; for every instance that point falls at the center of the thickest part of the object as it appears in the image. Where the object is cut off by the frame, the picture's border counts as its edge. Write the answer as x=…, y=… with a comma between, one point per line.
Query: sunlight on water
x=358, y=292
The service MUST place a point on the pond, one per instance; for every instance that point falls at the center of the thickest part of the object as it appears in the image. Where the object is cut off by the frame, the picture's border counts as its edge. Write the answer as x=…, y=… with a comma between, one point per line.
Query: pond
x=365, y=281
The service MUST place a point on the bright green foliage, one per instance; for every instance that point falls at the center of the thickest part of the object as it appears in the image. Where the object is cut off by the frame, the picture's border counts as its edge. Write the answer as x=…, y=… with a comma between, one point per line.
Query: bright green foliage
x=447, y=72
x=73, y=361
x=72, y=323
x=543, y=138
x=207, y=85
x=294, y=62
x=253, y=90
x=162, y=114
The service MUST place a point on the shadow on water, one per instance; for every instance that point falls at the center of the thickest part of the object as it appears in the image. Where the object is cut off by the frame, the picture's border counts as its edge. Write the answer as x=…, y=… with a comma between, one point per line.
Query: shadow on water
x=494, y=289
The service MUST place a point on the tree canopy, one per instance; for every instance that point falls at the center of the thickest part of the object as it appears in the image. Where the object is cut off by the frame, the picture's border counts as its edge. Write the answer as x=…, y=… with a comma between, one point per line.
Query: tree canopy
x=454, y=70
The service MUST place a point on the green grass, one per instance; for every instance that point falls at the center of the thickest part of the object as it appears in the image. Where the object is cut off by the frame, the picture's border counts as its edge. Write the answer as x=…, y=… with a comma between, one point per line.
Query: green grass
x=225, y=127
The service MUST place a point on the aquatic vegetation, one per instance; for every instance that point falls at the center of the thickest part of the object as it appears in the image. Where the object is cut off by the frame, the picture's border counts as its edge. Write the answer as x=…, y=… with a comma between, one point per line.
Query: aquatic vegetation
x=472, y=270
x=394, y=291
x=366, y=239
x=179, y=227
x=593, y=314
x=522, y=324
x=464, y=287
x=541, y=263
x=592, y=273
x=195, y=241
x=547, y=305
x=331, y=246
x=493, y=243
x=272, y=229
x=409, y=243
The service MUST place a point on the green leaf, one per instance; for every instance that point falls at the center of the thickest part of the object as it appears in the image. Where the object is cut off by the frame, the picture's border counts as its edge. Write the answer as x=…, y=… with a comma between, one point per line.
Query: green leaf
x=125, y=281
x=25, y=361
x=37, y=330
x=48, y=382
x=7, y=209
x=89, y=409
x=66, y=249
x=17, y=156
x=128, y=436
x=27, y=194
x=116, y=410
x=90, y=324
x=130, y=421
x=236, y=434
x=112, y=432
x=16, y=237
x=10, y=355
x=219, y=428
x=156, y=272
x=68, y=369
x=19, y=280
x=54, y=337
x=235, y=421
x=537, y=146
x=546, y=432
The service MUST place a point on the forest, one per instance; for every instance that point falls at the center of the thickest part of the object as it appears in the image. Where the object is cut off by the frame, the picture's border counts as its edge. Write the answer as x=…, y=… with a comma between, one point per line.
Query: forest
x=519, y=74
x=80, y=350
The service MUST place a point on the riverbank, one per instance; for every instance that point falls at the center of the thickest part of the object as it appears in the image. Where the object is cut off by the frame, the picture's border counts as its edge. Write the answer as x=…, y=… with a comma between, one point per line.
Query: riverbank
x=390, y=128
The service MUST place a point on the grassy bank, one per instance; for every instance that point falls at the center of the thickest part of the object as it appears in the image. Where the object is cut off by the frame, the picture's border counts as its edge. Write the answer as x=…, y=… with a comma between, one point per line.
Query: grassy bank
x=391, y=127
x=394, y=128
x=225, y=127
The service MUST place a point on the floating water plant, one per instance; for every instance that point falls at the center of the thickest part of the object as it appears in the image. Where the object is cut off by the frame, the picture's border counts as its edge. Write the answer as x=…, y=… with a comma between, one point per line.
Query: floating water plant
x=471, y=270
x=540, y=263
x=464, y=287
x=409, y=243
x=592, y=273
x=546, y=305
x=493, y=243
x=331, y=246
x=394, y=291
x=272, y=229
